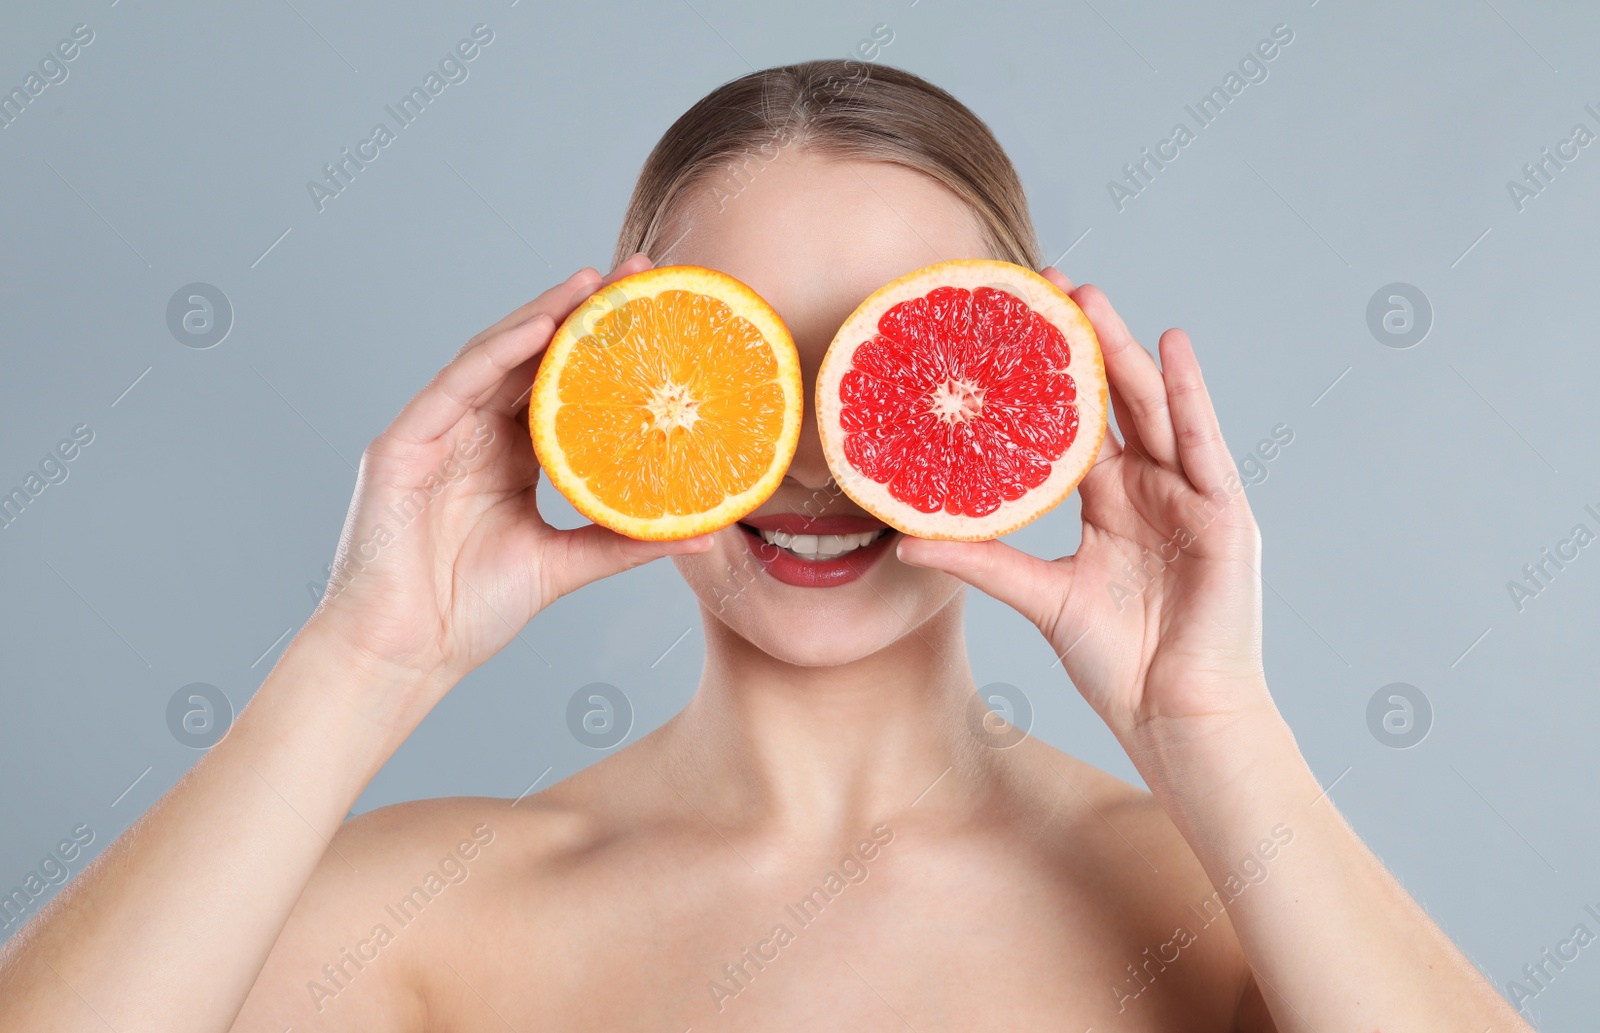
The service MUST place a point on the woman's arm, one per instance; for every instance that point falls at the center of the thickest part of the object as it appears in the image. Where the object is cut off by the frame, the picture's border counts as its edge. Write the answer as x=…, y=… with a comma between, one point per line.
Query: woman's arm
x=1159, y=617
x=443, y=559
x=171, y=924
x=1333, y=940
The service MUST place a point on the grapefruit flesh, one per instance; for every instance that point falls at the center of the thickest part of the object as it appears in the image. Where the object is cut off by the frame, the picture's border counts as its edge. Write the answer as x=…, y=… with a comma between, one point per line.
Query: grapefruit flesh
x=963, y=400
x=669, y=404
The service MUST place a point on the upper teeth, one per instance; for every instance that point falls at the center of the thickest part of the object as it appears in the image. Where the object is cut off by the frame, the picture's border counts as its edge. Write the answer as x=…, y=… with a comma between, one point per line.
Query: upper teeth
x=820, y=546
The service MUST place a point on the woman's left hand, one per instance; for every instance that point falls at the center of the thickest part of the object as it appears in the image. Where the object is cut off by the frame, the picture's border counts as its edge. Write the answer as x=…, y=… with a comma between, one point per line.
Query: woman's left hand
x=1157, y=616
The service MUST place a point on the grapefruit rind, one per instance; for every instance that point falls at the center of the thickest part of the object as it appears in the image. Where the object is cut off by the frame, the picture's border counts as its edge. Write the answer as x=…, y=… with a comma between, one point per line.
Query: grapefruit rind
x=1086, y=366
x=545, y=401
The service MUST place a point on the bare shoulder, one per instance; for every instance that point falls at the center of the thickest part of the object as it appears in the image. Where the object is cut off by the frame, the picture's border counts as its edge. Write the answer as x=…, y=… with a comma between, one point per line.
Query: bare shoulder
x=1096, y=809
x=350, y=955
x=1171, y=942
x=411, y=903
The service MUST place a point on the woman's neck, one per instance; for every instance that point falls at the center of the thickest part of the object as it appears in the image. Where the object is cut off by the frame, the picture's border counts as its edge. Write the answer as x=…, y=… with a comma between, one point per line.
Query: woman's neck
x=818, y=752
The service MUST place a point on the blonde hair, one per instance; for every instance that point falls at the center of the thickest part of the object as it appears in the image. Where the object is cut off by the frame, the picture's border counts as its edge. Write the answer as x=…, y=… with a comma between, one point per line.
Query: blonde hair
x=844, y=108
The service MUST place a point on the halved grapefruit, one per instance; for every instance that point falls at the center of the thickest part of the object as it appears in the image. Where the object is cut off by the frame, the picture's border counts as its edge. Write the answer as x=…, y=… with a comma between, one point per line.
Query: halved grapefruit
x=962, y=400
x=668, y=404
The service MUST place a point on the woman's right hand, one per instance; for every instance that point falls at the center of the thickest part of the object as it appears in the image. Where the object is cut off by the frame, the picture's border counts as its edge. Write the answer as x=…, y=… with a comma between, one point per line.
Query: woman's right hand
x=444, y=554
x=444, y=557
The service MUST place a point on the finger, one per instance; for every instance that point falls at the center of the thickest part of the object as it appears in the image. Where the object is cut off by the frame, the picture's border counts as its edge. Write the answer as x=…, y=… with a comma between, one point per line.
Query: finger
x=1057, y=277
x=1124, y=424
x=1125, y=419
x=636, y=263
x=1031, y=586
x=589, y=553
x=462, y=385
x=1134, y=375
x=1110, y=448
x=1109, y=445
x=1205, y=455
x=555, y=303
x=510, y=395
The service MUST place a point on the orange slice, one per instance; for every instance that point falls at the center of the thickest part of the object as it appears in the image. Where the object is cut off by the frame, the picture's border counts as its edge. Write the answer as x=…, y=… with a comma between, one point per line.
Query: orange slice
x=668, y=404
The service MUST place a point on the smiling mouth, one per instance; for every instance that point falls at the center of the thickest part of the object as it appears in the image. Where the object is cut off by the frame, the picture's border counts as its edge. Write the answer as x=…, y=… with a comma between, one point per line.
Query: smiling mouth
x=818, y=547
x=816, y=552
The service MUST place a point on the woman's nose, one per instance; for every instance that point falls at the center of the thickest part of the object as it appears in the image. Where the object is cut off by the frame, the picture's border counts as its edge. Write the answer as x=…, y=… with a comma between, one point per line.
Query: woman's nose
x=809, y=468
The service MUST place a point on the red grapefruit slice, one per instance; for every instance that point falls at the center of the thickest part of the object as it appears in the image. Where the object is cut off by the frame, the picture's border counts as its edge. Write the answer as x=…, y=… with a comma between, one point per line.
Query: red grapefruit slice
x=962, y=400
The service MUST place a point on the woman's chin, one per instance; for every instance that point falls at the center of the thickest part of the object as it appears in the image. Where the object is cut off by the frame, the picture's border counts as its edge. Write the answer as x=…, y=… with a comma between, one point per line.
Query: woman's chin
x=816, y=636
x=822, y=626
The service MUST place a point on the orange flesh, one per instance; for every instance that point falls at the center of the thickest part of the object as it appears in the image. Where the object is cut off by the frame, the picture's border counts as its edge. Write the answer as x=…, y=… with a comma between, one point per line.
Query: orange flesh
x=671, y=404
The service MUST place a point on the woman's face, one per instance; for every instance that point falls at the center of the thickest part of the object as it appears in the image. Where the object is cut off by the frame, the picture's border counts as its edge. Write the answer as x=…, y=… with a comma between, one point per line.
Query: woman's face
x=815, y=235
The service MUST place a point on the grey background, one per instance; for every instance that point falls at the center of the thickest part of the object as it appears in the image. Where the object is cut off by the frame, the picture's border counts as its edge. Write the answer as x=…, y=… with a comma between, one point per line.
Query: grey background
x=181, y=546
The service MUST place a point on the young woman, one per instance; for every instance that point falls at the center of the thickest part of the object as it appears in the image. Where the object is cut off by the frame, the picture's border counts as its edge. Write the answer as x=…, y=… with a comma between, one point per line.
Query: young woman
x=823, y=838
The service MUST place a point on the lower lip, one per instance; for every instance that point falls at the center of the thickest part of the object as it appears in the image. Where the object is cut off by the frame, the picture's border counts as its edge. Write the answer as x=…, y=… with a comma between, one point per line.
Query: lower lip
x=790, y=569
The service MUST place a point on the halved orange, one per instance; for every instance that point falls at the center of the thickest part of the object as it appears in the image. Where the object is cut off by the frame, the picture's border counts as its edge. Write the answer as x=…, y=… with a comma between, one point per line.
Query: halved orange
x=668, y=404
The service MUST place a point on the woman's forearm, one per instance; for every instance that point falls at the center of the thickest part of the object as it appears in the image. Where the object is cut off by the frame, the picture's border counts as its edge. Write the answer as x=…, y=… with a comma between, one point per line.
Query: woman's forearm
x=170, y=926
x=1333, y=939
